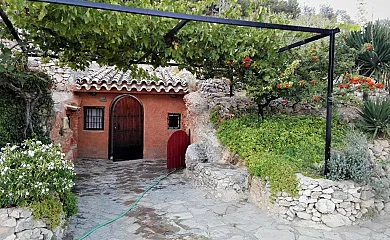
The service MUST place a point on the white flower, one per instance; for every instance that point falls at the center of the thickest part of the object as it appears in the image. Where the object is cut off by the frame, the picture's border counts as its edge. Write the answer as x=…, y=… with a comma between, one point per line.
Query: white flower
x=20, y=176
x=39, y=142
x=13, y=147
x=31, y=153
x=27, y=193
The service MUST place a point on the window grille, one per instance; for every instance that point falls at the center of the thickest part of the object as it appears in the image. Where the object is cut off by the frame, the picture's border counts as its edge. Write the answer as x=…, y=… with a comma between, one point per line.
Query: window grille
x=94, y=118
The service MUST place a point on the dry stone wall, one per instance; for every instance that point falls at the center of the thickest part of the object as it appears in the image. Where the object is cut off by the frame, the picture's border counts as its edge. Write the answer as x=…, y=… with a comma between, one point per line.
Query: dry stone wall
x=19, y=224
x=322, y=201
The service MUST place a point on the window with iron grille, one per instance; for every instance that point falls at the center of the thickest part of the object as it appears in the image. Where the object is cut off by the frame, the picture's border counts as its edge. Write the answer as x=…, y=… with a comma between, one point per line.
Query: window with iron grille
x=94, y=118
x=173, y=121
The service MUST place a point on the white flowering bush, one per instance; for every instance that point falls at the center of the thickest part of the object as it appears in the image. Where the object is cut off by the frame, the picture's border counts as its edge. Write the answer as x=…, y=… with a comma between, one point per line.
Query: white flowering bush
x=33, y=172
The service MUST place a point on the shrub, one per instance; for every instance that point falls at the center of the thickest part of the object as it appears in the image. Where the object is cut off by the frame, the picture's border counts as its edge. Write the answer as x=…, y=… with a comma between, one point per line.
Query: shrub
x=33, y=174
x=375, y=117
x=351, y=163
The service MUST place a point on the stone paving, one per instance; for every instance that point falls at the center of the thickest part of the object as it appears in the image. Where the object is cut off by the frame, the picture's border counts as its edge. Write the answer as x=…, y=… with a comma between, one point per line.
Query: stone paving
x=176, y=210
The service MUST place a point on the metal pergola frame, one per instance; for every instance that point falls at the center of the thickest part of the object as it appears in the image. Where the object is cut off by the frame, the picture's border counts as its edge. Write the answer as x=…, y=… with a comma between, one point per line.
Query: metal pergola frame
x=185, y=18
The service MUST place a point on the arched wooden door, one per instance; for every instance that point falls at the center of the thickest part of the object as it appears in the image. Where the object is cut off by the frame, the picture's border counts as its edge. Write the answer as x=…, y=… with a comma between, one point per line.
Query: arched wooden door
x=176, y=149
x=127, y=129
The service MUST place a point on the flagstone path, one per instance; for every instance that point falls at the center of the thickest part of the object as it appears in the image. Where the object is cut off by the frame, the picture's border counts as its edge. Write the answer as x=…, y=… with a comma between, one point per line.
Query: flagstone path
x=176, y=210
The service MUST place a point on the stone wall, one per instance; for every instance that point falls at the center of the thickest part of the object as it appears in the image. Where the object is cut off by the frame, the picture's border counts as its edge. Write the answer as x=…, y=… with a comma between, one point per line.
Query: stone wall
x=64, y=82
x=18, y=224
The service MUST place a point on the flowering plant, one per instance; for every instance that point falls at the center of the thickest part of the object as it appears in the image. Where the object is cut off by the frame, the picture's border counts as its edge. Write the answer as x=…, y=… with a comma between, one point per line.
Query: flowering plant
x=32, y=172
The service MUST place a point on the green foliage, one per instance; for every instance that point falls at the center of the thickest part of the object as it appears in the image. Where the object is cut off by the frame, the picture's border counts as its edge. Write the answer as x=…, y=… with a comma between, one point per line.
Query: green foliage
x=373, y=45
x=351, y=163
x=375, y=117
x=49, y=209
x=25, y=100
x=215, y=117
x=279, y=146
x=69, y=202
x=276, y=169
x=36, y=175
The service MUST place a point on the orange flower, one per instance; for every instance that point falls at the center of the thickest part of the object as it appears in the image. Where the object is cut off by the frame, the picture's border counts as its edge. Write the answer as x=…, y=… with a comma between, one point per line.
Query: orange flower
x=286, y=85
x=358, y=87
x=379, y=85
x=316, y=98
x=313, y=81
x=347, y=74
x=371, y=84
x=313, y=51
x=285, y=101
x=278, y=85
x=314, y=58
x=247, y=59
x=341, y=86
x=230, y=62
x=356, y=78
x=246, y=64
x=346, y=85
x=301, y=82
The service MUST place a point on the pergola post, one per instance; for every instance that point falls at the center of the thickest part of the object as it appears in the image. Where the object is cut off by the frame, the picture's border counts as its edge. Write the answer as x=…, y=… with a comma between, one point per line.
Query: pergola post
x=329, y=104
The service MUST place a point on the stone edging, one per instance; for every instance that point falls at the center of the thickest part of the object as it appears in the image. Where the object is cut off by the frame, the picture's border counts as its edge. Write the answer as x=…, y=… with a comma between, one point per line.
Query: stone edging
x=18, y=224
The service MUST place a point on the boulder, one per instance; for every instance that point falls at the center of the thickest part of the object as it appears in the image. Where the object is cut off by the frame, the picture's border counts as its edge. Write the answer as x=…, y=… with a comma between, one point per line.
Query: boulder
x=195, y=154
x=325, y=206
x=367, y=195
x=304, y=215
x=335, y=220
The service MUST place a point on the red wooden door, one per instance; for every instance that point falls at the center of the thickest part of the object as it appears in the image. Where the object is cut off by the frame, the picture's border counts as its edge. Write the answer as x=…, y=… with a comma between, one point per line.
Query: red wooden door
x=127, y=127
x=176, y=149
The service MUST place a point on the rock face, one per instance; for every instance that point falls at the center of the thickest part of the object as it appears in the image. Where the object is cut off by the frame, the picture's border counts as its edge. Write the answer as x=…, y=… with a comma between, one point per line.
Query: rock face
x=18, y=224
x=207, y=160
x=195, y=154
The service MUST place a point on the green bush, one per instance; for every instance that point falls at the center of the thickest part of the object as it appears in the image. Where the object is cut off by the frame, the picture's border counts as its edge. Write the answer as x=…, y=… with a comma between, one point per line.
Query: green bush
x=351, y=163
x=279, y=146
x=33, y=174
x=375, y=117
x=69, y=202
x=49, y=209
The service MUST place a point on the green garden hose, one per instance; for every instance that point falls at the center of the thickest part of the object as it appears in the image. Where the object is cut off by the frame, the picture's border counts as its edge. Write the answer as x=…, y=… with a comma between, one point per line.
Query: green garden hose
x=131, y=207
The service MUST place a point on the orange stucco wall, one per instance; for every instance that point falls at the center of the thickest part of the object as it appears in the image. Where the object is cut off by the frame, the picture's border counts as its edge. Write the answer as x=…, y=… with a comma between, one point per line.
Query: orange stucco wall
x=95, y=144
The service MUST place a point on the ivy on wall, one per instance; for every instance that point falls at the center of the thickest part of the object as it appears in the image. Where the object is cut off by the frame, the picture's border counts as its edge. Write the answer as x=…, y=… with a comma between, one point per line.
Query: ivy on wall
x=25, y=106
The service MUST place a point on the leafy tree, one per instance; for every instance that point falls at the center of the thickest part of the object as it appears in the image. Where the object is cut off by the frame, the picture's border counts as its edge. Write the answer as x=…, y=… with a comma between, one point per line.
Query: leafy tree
x=327, y=12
